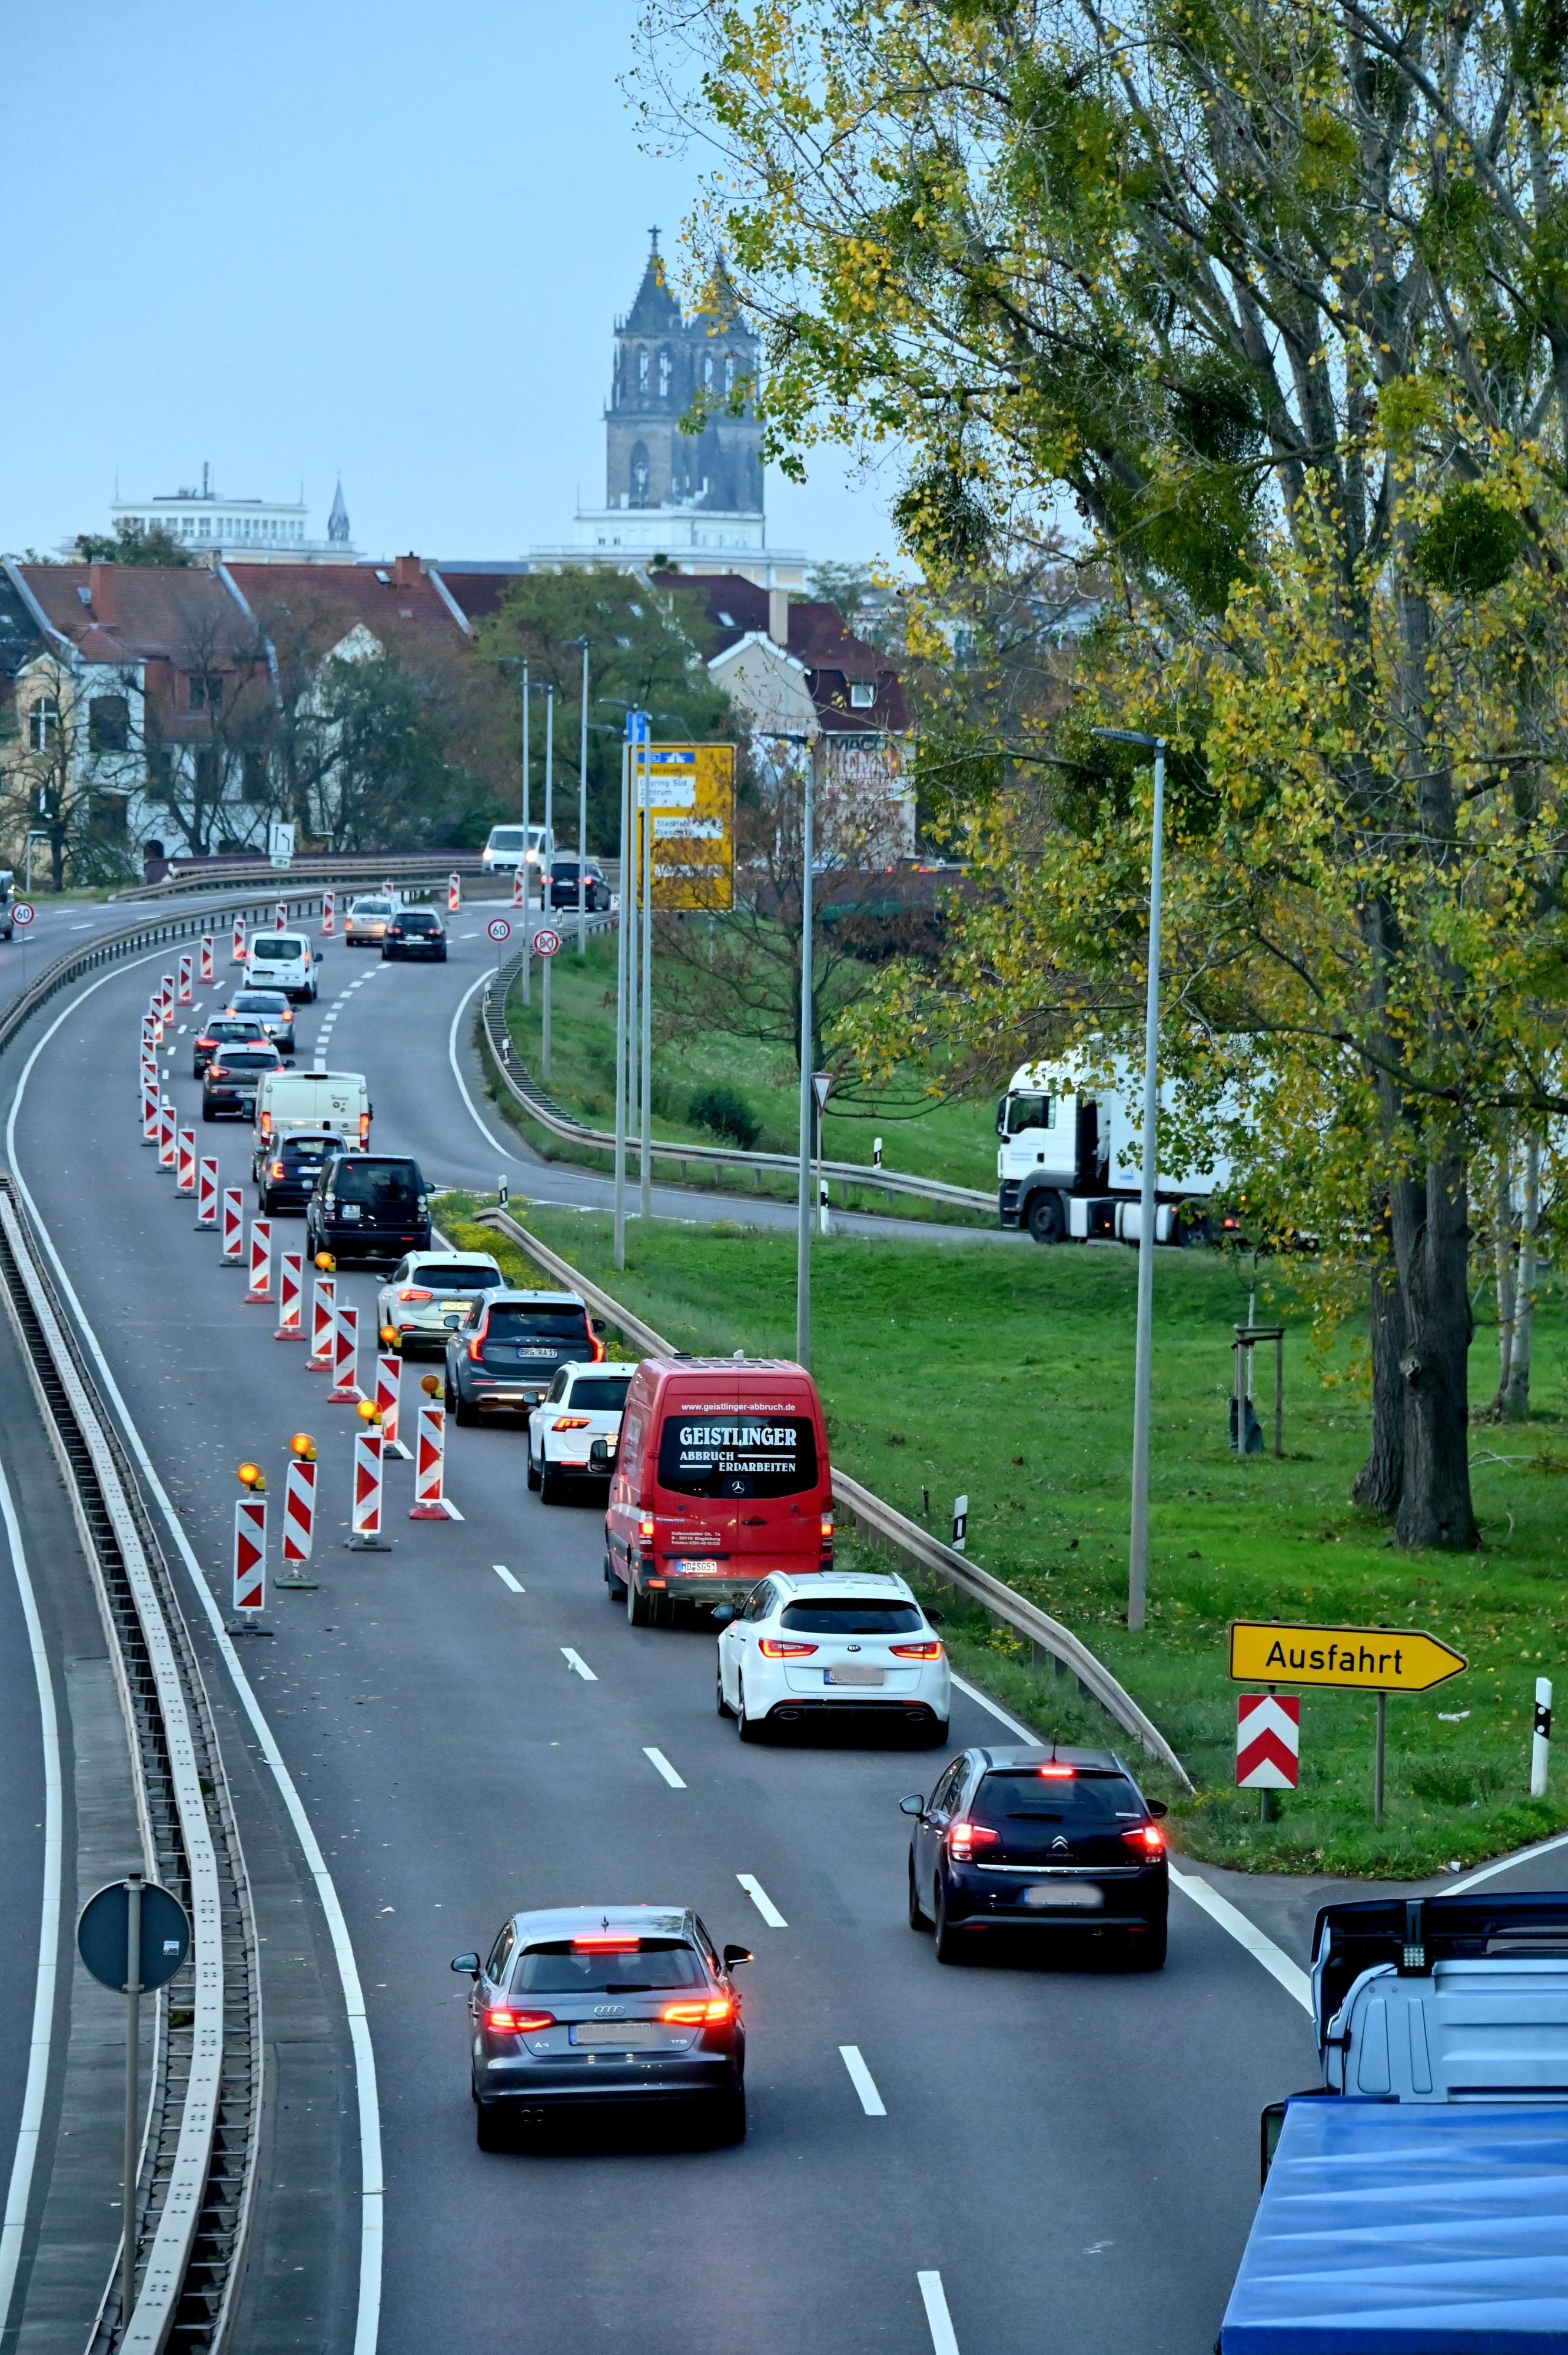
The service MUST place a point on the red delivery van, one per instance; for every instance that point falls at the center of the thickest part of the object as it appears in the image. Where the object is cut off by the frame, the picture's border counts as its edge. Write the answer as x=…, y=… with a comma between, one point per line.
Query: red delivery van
x=721, y=1476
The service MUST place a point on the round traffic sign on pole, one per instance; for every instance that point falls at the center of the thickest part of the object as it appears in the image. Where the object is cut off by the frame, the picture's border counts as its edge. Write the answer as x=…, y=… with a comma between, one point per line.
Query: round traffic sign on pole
x=22, y=913
x=499, y=929
x=103, y=1942
x=546, y=941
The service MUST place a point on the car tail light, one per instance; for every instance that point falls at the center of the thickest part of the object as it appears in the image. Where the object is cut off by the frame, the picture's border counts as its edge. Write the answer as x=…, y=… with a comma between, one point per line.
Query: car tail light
x=964, y=1838
x=600, y=1352
x=713, y=2013
x=932, y=1651
x=476, y=1346
x=1059, y=1774
x=266, y=1124
x=507, y=2023
x=365, y=1128
x=208, y=1043
x=607, y=1942
x=571, y=1423
x=276, y=1170
x=827, y=1529
x=772, y=1649
x=645, y=1529
x=1147, y=1837
x=412, y=1292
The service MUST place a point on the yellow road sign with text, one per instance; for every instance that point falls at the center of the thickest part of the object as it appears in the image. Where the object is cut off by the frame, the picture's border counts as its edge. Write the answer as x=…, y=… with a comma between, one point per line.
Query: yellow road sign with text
x=690, y=796
x=1356, y=1659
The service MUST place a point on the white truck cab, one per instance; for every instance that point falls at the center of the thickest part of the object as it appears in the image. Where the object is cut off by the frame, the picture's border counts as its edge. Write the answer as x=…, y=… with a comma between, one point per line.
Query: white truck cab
x=1069, y=1166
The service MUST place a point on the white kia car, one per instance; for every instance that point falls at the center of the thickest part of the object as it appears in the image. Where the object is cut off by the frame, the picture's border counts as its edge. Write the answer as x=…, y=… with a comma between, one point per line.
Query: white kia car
x=583, y=1403
x=428, y=1295
x=810, y=1646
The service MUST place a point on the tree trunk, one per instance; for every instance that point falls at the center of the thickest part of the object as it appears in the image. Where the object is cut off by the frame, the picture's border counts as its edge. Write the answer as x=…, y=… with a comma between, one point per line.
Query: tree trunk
x=1517, y=1404
x=1503, y=1250
x=1380, y=1479
x=1431, y=1243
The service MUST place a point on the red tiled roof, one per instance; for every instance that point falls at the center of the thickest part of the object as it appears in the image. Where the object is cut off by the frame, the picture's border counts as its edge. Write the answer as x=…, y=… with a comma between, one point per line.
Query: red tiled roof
x=173, y=611
x=478, y=594
x=323, y=603
x=820, y=639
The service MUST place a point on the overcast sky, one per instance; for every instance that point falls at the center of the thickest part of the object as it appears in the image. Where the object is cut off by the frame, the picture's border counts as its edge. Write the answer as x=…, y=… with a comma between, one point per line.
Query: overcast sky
x=294, y=235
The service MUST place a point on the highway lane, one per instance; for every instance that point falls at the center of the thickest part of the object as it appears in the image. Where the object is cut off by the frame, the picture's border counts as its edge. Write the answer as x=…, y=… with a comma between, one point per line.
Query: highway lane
x=1073, y=2150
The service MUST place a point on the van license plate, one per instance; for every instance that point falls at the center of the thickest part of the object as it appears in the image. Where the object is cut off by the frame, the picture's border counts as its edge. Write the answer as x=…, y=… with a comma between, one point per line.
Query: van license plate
x=852, y=1673
x=702, y=1568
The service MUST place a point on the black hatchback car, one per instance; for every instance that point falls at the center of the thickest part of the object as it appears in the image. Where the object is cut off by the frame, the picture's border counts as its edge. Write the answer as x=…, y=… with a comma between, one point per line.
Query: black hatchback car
x=577, y=2008
x=368, y=1206
x=504, y=1355
x=564, y=886
x=414, y=933
x=229, y=1082
x=286, y=1178
x=1027, y=1839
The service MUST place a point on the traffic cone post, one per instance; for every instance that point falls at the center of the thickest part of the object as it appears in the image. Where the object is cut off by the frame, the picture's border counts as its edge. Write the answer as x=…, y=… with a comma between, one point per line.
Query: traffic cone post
x=518, y=888
x=430, y=1502
x=250, y=1560
x=233, y=1254
x=238, y=954
x=165, y=1135
x=281, y=920
x=323, y=1324
x=364, y=1536
x=184, y=1161
x=206, y=1192
x=329, y=914
x=150, y=1112
x=258, y=1291
x=345, y=1390
x=454, y=894
x=389, y=1400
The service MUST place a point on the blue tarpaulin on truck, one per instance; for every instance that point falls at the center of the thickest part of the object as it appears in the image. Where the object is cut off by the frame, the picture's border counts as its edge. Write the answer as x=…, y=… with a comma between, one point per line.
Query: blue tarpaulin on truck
x=1393, y=2228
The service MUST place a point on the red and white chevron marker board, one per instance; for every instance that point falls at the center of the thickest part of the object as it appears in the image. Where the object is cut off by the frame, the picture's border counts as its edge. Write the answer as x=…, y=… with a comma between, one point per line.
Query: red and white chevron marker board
x=1268, y=1741
x=258, y=1288
x=186, y=964
x=430, y=1503
x=206, y=972
x=250, y=1553
x=233, y=1254
x=388, y=1400
x=167, y=998
x=184, y=1161
x=281, y=917
x=518, y=886
x=300, y=1512
x=238, y=956
x=366, y=1531
x=165, y=1135
x=291, y=1290
x=454, y=894
x=207, y=1191
x=323, y=1324
x=150, y=1113
x=345, y=1390
x=329, y=914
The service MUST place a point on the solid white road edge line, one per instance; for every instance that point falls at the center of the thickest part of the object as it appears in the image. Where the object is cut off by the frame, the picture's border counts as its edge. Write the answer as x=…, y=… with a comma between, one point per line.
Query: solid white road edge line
x=368, y=2320
x=938, y=2321
x=504, y=1575
x=761, y=1900
x=661, y=1765
x=488, y=1137
x=1230, y=1918
x=577, y=1664
x=862, y=2080
x=37, y=2080
x=1502, y=1864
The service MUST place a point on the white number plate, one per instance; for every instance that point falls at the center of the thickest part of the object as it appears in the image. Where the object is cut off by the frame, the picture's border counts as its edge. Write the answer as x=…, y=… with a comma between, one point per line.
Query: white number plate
x=852, y=1673
x=625, y=2035
x=1069, y=1894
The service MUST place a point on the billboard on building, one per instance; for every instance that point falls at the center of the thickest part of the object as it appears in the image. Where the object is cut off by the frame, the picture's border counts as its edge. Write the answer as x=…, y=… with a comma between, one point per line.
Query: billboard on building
x=688, y=790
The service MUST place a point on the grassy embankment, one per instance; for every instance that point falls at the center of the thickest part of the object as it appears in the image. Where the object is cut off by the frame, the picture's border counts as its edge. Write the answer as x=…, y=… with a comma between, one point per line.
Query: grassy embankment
x=947, y=1367
x=955, y=1142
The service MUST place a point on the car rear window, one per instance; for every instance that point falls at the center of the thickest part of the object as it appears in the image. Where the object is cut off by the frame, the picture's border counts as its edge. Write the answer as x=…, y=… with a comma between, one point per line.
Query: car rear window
x=260, y=1001
x=475, y=1278
x=1078, y=1802
x=371, y=908
x=277, y=948
x=241, y=1029
x=657, y=1963
x=737, y=1456
x=600, y=1394
x=376, y=1181
x=512, y=1320
x=313, y=1149
x=248, y=1058
x=838, y=1616
x=420, y=923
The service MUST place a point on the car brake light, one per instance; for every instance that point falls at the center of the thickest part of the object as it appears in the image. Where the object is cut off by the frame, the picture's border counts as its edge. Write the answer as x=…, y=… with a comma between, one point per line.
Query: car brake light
x=208, y=1043
x=277, y=1169
x=412, y=1292
x=771, y=1648
x=963, y=1838
x=608, y=1941
x=827, y=1529
x=1148, y=1837
x=571, y=1423
x=267, y=1129
x=600, y=1352
x=645, y=1529
x=518, y=2023
x=716, y=2010
x=365, y=1128
x=476, y=1346
x=932, y=1651
x=1059, y=1774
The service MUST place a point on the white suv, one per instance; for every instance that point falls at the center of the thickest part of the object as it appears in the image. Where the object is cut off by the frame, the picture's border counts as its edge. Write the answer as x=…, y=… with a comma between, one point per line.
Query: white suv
x=807, y=1646
x=583, y=1403
x=281, y=961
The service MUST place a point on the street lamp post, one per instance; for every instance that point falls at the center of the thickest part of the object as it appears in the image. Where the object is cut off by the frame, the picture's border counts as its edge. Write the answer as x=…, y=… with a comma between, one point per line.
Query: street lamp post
x=582, y=816
x=807, y=1058
x=527, y=951
x=621, y=930
x=645, y=1170
x=1137, y=1548
x=546, y=863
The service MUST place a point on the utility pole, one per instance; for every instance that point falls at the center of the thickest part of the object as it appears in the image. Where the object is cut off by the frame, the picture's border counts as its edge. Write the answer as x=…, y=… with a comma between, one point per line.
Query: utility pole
x=644, y=798
x=623, y=930
x=582, y=818
x=546, y=895
x=527, y=951
x=1138, y=1547
x=808, y=1057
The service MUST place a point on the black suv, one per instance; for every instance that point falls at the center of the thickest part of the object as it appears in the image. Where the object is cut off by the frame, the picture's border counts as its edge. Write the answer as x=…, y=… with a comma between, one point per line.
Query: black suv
x=414, y=933
x=368, y=1206
x=504, y=1355
x=1061, y=1840
x=286, y=1176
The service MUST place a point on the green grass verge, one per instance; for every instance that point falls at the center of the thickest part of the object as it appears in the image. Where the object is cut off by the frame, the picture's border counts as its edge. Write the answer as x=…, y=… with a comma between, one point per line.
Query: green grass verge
x=948, y=1368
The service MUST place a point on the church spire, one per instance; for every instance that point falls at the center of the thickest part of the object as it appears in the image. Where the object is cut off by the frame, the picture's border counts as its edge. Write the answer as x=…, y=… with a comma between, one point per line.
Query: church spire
x=337, y=522
x=655, y=311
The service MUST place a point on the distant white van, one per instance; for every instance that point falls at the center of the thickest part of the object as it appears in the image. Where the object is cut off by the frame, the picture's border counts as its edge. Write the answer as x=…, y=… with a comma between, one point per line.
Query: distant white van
x=509, y=845
x=287, y=1101
x=281, y=961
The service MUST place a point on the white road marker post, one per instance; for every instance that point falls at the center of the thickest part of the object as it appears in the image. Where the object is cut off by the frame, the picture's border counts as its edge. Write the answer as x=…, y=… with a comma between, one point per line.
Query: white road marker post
x=1540, y=1739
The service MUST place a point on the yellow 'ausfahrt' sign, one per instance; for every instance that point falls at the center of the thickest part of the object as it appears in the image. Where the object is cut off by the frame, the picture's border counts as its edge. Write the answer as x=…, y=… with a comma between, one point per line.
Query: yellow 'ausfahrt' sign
x=1356, y=1659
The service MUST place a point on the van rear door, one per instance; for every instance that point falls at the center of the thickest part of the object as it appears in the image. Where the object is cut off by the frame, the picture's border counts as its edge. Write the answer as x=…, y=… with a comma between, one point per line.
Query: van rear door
x=695, y=1518
x=779, y=1522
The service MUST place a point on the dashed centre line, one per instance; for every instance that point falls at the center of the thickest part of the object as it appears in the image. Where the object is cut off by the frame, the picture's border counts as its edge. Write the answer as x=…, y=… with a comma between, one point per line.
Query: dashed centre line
x=944, y=2340
x=504, y=1575
x=761, y=1900
x=862, y=2080
x=661, y=1765
x=577, y=1664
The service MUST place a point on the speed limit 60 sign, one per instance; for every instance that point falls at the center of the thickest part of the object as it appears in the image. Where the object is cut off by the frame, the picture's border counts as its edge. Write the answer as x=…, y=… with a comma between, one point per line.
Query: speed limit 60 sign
x=499, y=929
x=23, y=912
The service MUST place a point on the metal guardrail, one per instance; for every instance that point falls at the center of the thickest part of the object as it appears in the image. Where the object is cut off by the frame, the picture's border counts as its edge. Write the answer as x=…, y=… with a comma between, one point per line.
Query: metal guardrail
x=539, y=1105
x=320, y=868
x=885, y=1522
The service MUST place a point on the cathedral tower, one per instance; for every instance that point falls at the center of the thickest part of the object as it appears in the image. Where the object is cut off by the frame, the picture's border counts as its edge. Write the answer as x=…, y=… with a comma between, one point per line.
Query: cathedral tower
x=663, y=363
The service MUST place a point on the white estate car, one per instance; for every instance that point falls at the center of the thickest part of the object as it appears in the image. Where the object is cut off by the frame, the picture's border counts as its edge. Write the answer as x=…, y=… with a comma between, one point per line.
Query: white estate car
x=806, y=1646
x=429, y=1294
x=281, y=961
x=583, y=1403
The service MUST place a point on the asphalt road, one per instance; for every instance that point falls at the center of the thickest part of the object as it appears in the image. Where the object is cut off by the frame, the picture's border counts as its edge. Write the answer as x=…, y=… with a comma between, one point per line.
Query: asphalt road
x=1071, y=2149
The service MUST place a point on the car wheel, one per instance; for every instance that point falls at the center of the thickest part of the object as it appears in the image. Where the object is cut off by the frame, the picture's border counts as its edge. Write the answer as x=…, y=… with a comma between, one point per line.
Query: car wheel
x=449, y=1397
x=550, y=1485
x=533, y=1472
x=1148, y=1953
x=207, y=1112
x=723, y=1707
x=1044, y=1218
x=463, y=1412
x=639, y=1611
x=951, y=1946
x=917, y=1919
x=937, y=1738
x=729, y=2116
x=749, y=1728
x=490, y=2130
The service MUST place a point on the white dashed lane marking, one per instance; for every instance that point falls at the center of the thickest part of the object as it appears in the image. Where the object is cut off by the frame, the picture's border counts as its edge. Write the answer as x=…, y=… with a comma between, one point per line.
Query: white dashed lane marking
x=661, y=1765
x=761, y=1900
x=938, y=2321
x=862, y=2080
x=504, y=1575
x=577, y=1664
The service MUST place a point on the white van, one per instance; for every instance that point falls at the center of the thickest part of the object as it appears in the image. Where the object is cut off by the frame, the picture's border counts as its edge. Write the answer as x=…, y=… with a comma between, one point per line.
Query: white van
x=281, y=961
x=286, y=1101
x=508, y=846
